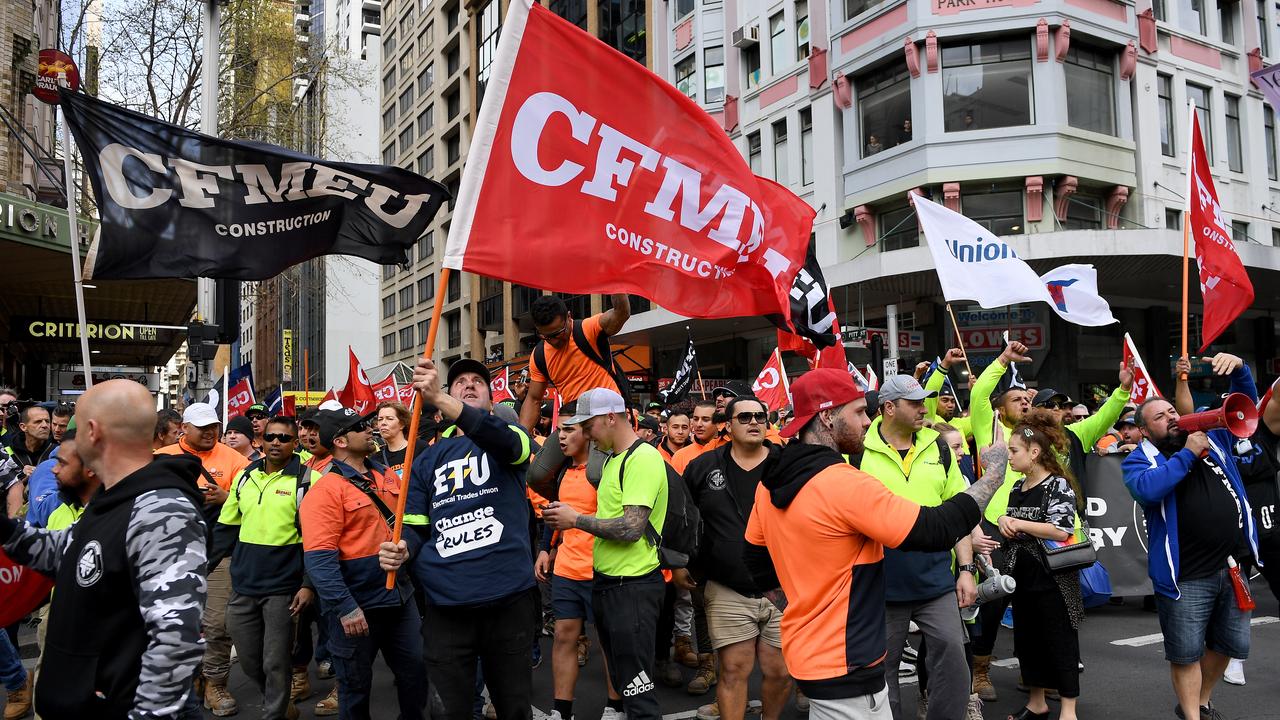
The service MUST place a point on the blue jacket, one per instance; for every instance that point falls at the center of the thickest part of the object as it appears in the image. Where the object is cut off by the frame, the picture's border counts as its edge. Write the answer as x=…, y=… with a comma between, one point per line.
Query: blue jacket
x=1152, y=478
x=467, y=515
x=42, y=492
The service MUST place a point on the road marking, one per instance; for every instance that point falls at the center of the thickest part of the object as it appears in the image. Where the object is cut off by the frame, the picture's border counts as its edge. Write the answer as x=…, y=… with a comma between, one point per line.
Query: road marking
x=1006, y=663
x=680, y=715
x=1154, y=638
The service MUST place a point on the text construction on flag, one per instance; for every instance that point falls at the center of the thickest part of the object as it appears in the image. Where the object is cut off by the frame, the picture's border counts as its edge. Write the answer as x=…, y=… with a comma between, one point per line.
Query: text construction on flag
x=641, y=190
x=178, y=204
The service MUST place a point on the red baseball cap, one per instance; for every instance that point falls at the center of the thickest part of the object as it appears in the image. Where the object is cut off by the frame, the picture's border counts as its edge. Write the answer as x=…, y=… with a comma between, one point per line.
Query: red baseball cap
x=819, y=390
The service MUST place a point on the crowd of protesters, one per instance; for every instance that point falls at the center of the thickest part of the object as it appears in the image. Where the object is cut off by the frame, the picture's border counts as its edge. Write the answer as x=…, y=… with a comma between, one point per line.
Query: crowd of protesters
x=718, y=534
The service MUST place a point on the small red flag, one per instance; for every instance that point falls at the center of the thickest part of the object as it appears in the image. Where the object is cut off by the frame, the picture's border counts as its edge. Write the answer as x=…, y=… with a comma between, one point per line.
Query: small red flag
x=1143, y=386
x=771, y=384
x=386, y=389
x=239, y=398
x=22, y=588
x=407, y=395
x=500, y=388
x=358, y=393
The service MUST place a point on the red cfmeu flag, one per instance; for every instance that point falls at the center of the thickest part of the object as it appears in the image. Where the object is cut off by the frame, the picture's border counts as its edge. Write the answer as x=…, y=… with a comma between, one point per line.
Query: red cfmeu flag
x=22, y=590
x=500, y=388
x=771, y=384
x=1143, y=386
x=239, y=398
x=407, y=395
x=1224, y=284
x=611, y=171
x=358, y=393
x=385, y=390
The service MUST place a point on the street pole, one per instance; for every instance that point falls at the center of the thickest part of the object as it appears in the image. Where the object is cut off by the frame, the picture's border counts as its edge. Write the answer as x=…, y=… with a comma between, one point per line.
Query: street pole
x=205, y=293
x=891, y=311
x=73, y=226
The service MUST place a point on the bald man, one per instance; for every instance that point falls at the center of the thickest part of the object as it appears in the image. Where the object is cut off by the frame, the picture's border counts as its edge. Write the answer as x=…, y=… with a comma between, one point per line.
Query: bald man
x=124, y=626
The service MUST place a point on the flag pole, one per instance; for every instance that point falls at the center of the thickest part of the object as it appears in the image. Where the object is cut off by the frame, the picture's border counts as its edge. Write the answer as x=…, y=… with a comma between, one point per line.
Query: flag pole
x=398, y=531
x=306, y=376
x=77, y=279
x=1186, y=224
x=960, y=343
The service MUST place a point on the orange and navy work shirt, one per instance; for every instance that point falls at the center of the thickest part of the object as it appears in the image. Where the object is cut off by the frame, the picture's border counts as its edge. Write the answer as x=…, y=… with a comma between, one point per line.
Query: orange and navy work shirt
x=341, y=531
x=827, y=547
x=222, y=462
x=573, y=559
x=686, y=454
x=572, y=372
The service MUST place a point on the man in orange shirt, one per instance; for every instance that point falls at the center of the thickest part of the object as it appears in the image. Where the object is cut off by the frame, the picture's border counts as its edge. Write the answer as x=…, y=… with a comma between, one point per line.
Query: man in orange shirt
x=815, y=518
x=705, y=432
x=574, y=356
x=201, y=431
x=676, y=436
x=571, y=579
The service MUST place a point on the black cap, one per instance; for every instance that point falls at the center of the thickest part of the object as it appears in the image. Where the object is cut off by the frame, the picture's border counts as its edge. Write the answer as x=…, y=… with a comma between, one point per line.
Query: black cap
x=947, y=391
x=241, y=424
x=647, y=422
x=1048, y=395
x=733, y=388
x=467, y=365
x=1127, y=419
x=653, y=406
x=258, y=408
x=308, y=417
x=548, y=409
x=332, y=423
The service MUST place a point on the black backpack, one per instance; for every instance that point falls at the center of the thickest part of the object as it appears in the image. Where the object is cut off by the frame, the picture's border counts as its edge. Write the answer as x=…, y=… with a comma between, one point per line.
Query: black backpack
x=678, y=543
x=600, y=354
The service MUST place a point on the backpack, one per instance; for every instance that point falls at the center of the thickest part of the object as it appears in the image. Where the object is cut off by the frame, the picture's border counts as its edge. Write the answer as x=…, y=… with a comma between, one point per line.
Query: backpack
x=682, y=527
x=596, y=353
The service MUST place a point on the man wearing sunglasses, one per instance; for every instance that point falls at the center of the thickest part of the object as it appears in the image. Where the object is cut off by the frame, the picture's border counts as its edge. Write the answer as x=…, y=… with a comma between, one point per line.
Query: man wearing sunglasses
x=260, y=529
x=1059, y=402
x=346, y=516
x=743, y=625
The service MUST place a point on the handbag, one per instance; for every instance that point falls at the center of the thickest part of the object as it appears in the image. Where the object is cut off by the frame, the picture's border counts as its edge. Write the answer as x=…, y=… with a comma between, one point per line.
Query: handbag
x=1062, y=557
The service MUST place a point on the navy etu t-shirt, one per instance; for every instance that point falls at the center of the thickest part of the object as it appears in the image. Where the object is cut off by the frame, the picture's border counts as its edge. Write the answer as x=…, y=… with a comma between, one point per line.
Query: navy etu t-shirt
x=469, y=513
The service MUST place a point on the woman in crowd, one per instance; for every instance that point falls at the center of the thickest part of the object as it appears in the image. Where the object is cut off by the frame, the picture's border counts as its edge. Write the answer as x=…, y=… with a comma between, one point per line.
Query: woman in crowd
x=393, y=428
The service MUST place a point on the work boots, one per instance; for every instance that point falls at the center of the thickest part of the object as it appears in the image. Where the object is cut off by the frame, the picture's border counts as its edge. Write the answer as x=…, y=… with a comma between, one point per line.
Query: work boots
x=300, y=687
x=329, y=705
x=217, y=699
x=19, y=703
x=685, y=654
x=982, y=679
x=706, y=676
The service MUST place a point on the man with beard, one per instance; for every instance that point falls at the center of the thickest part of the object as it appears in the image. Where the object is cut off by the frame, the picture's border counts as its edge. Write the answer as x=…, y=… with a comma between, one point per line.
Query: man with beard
x=676, y=436
x=816, y=538
x=1198, y=521
x=705, y=434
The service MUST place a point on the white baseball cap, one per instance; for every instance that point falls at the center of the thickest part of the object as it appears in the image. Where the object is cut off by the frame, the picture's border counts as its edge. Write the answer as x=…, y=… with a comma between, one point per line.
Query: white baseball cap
x=594, y=403
x=200, y=415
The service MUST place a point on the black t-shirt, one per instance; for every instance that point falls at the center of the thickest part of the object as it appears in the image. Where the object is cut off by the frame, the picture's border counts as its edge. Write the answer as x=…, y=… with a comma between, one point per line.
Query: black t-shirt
x=393, y=459
x=742, y=485
x=1260, y=482
x=1032, y=505
x=1210, y=523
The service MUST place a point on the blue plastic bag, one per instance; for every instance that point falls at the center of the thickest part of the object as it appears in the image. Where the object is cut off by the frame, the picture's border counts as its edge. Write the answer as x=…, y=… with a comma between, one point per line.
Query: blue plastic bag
x=1095, y=585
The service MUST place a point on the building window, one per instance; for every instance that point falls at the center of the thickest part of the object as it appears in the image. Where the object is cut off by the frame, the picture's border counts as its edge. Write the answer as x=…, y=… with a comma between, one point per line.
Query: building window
x=1164, y=89
x=1173, y=219
x=389, y=118
x=452, y=61
x=1239, y=232
x=622, y=27
x=425, y=291
x=779, y=53
x=426, y=119
x=1264, y=30
x=713, y=75
x=751, y=65
x=1204, y=107
x=453, y=329
x=898, y=229
x=388, y=272
x=389, y=45
x=406, y=339
x=406, y=100
x=389, y=81
x=389, y=344
x=780, y=152
x=388, y=306
x=1235, y=152
x=1269, y=135
x=455, y=287
x=999, y=212
x=424, y=38
x=452, y=105
x=1275, y=237
x=427, y=162
x=389, y=154
x=1084, y=212
x=487, y=45
x=683, y=8
x=802, y=30
x=452, y=15
x=753, y=153
x=406, y=298
x=685, y=81
x=1227, y=12
x=407, y=62
x=1191, y=16
x=1090, y=88
x=453, y=152
x=426, y=78
x=854, y=8
x=406, y=139
x=427, y=246
x=575, y=11
x=987, y=84
x=424, y=329
x=806, y=146
x=1158, y=9
x=884, y=107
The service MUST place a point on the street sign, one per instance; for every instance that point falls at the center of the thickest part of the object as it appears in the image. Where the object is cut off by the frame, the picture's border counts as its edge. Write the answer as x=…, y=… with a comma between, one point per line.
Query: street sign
x=890, y=367
x=908, y=340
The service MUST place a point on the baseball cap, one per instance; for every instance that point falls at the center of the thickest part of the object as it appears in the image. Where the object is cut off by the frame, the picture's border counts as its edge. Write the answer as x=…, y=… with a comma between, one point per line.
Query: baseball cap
x=308, y=417
x=594, y=403
x=653, y=406
x=733, y=388
x=242, y=425
x=1129, y=418
x=330, y=405
x=1048, y=395
x=200, y=415
x=649, y=423
x=332, y=423
x=818, y=390
x=947, y=391
x=903, y=387
x=257, y=408
x=467, y=365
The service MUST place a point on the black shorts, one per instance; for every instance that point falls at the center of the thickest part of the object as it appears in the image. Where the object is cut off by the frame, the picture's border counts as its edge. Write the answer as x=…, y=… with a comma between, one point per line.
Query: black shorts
x=571, y=599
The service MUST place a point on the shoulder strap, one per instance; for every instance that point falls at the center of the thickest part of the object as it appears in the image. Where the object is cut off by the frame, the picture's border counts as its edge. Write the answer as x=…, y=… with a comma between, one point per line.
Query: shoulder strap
x=258, y=464
x=650, y=532
x=593, y=352
x=367, y=488
x=944, y=454
x=540, y=361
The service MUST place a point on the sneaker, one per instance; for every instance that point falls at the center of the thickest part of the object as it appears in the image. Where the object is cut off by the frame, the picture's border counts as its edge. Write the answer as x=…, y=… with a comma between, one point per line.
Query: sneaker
x=906, y=669
x=909, y=653
x=329, y=705
x=1207, y=712
x=324, y=669
x=974, y=711
x=1007, y=620
x=1235, y=672
x=611, y=714
x=555, y=715
x=912, y=627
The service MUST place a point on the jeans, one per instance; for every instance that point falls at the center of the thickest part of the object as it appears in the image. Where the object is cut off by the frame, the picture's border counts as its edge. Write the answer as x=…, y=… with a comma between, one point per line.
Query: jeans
x=626, y=612
x=1205, y=615
x=12, y=675
x=396, y=632
x=498, y=636
x=940, y=625
x=262, y=630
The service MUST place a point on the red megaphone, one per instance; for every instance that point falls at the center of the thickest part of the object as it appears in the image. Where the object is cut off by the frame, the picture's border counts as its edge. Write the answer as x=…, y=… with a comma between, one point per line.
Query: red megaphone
x=1238, y=415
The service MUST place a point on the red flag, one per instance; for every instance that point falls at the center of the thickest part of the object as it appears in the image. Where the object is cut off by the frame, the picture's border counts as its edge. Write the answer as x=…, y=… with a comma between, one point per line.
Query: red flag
x=407, y=395
x=611, y=169
x=1143, y=386
x=386, y=389
x=331, y=395
x=358, y=393
x=1224, y=284
x=22, y=588
x=500, y=387
x=239, y=398
x=290, y=406
x=771, y=384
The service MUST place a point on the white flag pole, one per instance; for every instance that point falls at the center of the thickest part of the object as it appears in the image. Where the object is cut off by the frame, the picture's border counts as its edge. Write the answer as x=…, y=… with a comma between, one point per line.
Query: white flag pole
x=70, y=188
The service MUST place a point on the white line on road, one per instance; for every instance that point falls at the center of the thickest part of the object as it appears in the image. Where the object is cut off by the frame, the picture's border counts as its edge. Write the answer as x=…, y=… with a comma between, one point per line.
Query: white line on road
x=1006, y=663
x=1154, y=638
x=680, y=715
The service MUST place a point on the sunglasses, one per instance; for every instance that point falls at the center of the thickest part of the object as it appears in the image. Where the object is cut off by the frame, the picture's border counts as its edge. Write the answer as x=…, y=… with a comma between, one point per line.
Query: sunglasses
x=1056, y=405
x=277, y=437
x=746, y=418
x=361, y=426
x=552, y=336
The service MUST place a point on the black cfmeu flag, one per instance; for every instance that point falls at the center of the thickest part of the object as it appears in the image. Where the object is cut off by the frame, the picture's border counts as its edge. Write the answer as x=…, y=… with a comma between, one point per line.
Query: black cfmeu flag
x=683, y=380
x=178, y=204
x=813, y=315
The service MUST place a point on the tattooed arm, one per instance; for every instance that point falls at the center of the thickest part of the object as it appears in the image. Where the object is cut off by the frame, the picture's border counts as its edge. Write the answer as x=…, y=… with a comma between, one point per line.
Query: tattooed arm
x=995, y=458
x=628, y=528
